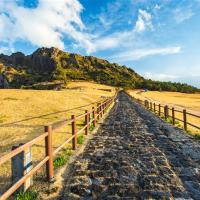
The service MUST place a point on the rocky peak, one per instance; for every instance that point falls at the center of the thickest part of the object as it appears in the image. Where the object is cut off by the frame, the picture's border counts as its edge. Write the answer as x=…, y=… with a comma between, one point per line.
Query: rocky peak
x=17, y=54
x=50, y=52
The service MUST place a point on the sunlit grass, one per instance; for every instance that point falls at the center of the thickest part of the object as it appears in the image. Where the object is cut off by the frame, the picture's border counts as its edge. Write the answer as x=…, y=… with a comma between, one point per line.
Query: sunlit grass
x=180, y=101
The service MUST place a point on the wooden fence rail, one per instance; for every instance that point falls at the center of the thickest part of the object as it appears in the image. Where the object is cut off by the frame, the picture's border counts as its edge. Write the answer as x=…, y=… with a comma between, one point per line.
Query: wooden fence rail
x=97, y=113
x=150, y=105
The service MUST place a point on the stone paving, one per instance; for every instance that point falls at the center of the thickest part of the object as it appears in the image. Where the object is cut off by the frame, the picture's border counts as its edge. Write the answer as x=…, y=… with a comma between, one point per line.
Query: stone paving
x=135, y=155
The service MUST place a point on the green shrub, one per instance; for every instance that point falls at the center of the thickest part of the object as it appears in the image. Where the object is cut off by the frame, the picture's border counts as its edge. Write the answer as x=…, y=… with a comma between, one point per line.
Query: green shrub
x=189, y=131
x=169, y=120
x=162, y=116
x=62, y=158
x=80, y=139
x=197, y=136
x=60, y=161
x=28, y=195
x=177, y=122
x=67, y=152
x=91, y=127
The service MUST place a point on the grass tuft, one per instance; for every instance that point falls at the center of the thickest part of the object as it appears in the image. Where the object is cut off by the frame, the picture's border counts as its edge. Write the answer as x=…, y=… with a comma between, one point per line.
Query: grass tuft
x=62, y=159
x=197, y=136
x=91, y=127
x=59, y=161
x=28, y=195
x=80, y=139
x=169, y=120
x=177, y=122
x=67, y=152
x=189, y=131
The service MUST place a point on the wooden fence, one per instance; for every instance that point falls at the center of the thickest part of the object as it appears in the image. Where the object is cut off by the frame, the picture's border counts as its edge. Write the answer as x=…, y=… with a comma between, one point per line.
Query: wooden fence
x=168, y=112
x=90, y=118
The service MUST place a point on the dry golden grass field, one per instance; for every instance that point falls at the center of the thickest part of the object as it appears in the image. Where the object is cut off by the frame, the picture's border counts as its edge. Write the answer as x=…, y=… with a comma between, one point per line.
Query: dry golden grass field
x=190, y=102
x=25, y=112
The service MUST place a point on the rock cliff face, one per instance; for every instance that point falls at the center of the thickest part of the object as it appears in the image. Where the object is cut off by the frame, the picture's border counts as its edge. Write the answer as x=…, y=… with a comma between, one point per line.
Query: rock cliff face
x=3, y=82
x=49, y=64
x=42, y=60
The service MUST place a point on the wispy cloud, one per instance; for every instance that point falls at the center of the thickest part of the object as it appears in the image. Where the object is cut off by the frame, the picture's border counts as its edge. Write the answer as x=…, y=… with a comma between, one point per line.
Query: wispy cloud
x=49, y=23
x=182, y=14
x=111, y=14
x=144, y=21
x=45, y=25
x=123, y=38
x=190, y=79
x=3, y=49
x=137, y=54
x=160, y=77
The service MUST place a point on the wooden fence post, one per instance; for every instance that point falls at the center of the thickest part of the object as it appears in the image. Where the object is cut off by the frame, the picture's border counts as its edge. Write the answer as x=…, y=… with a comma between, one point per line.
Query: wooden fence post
x=89, y=118
x=86, y=121
x=159, y=110
x=49, y=152
x=146, y=104
x=103, y=107
x=98, y=109
x=93, y=116
x=154, y=107
x=185, y=119
x=165, y=112
x=151, y=106
x=173, y=116
x=74, y=140
x=101, y=114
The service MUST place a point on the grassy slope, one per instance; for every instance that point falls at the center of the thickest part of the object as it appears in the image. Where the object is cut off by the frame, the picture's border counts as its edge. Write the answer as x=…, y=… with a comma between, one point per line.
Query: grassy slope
x=190, y=102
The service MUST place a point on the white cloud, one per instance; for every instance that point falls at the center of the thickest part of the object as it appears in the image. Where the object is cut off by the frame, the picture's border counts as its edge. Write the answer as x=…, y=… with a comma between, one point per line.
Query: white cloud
x=112, y=41
x=182, y=14
x=160, y=77
x=46, y=25
x=3, y=50
x=49, y=23
x=137, y=54
x=105, y=22
x=186, y=78
x=144, y=21
x=110, y=14
x=123, y=38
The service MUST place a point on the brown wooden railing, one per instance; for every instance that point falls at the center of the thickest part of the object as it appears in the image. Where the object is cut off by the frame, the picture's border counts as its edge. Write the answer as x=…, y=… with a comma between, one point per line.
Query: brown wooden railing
x=91, y=117
x=157, y=109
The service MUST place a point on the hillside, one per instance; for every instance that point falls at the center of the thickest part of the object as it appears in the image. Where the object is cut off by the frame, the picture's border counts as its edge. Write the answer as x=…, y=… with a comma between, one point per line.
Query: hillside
x=50, y=68
x=50, y=64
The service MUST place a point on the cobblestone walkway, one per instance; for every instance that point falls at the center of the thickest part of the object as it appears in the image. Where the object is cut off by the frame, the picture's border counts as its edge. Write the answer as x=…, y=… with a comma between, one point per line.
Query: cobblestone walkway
x=135, y=155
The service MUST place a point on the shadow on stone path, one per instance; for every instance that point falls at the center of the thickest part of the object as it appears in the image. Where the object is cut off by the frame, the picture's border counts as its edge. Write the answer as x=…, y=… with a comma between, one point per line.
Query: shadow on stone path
x=135, y=155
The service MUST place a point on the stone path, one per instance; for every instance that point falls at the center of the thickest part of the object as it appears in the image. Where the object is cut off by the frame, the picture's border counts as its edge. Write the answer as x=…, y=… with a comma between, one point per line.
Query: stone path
x=135, y=155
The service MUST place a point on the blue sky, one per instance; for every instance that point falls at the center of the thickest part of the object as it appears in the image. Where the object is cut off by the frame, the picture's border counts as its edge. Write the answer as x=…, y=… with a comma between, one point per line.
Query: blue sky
x=159, y=39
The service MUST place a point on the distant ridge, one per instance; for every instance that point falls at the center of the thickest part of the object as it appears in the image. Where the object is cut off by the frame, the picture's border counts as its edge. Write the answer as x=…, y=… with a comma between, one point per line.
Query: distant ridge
x=53, y=65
